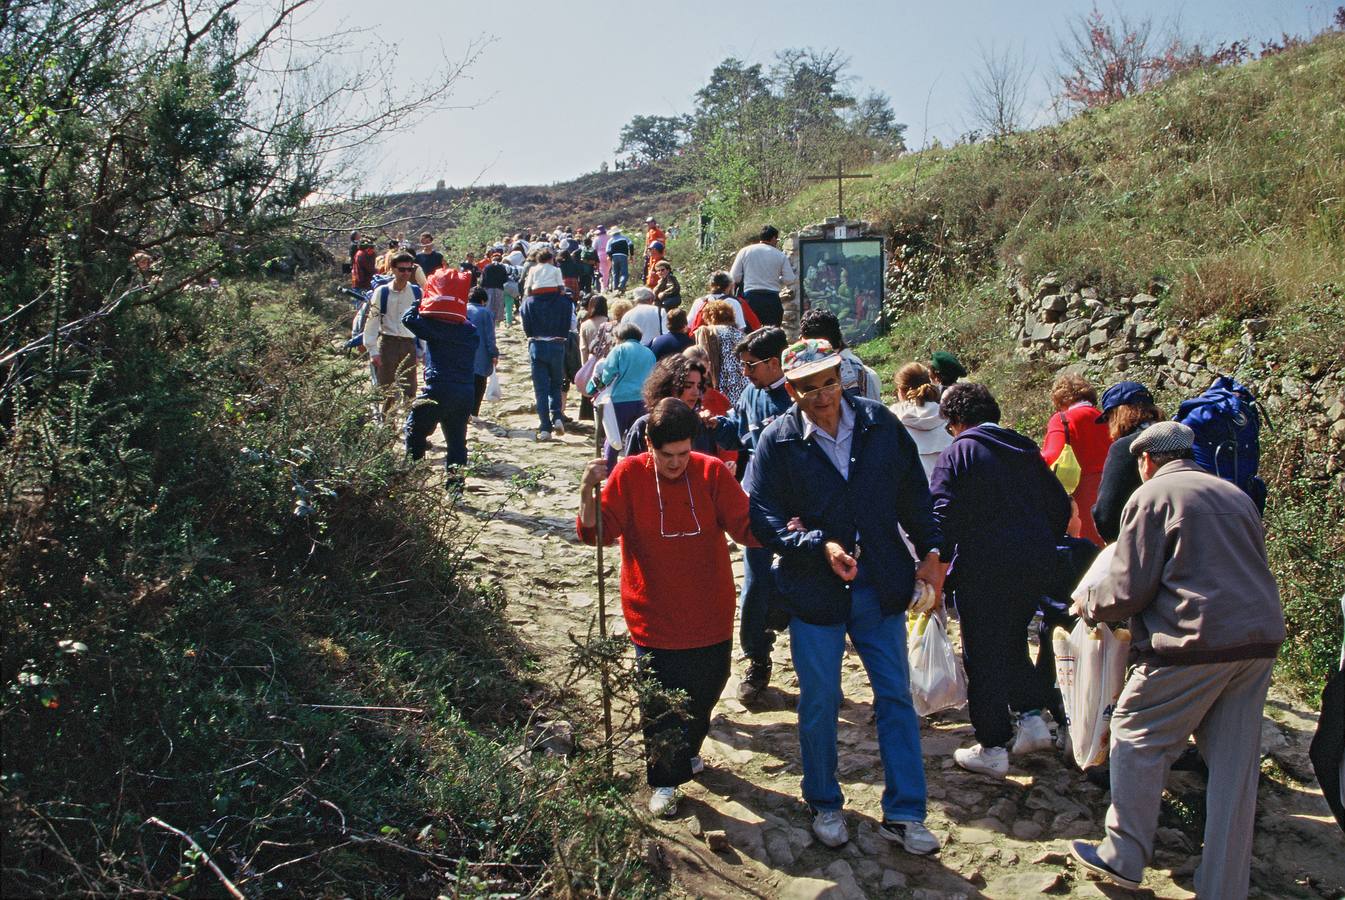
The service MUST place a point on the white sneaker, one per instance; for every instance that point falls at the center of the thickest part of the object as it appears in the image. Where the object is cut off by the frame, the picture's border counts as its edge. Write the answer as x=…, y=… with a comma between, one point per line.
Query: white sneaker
x=663, y=802
x=1033, y=735
x=543, y=437
x=697, y=765
x=992, y=761
x=914, y=837
x=829, y=826
x=1062, y=739
x=559, y=429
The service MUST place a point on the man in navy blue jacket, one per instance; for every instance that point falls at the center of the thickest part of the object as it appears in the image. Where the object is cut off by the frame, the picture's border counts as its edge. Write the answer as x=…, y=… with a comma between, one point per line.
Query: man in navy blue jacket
x=832, y=482
x=1001, y=512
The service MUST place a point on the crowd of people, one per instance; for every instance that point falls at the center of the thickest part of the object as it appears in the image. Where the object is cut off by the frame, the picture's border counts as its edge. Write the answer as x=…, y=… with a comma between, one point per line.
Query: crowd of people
x=851, y=514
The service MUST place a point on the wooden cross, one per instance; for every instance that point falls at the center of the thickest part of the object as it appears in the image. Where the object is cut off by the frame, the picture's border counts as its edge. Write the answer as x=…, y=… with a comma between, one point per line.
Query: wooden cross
x=840, y=177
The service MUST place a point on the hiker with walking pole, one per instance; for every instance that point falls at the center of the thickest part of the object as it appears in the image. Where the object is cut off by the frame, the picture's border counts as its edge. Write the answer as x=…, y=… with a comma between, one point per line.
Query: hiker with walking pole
x=671, y=509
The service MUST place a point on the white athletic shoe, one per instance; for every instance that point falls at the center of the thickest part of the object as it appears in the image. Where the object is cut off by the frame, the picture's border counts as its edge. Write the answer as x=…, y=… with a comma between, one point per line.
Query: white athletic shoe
x=992, y=761
x=829, y=826
x=697, y=765
x=543, y=437
x=914, y=837
x=1033, y=735
x=1062, y=739
x=663, y=802
x=559, y=429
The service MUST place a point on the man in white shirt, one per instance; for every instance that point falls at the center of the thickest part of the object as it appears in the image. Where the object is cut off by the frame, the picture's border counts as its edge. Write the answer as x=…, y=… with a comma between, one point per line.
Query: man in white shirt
x=651, y=320
x=764, y=271
x=392, y=347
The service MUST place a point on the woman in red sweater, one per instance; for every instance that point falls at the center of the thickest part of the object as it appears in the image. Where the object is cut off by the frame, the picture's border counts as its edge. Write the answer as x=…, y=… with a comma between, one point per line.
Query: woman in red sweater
x=671, y=508
x=1079, y=423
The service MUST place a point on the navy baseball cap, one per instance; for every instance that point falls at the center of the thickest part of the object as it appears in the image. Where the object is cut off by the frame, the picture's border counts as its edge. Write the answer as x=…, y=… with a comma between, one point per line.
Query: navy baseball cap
x=1121, y=394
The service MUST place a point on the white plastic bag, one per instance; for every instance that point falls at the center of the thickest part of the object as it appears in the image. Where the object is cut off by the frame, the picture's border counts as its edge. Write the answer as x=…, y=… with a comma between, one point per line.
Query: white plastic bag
x=937, y=679
x=493, y=392
x=1090, y=668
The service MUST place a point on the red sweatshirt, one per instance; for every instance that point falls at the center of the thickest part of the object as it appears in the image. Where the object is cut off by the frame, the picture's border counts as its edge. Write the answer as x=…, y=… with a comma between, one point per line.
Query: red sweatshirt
x=664, y=608
x=1090, y=440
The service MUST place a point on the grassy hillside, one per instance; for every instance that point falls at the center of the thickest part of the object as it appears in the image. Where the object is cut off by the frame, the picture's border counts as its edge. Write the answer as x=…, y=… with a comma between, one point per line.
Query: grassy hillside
x=599, y=198
x=1222, y=193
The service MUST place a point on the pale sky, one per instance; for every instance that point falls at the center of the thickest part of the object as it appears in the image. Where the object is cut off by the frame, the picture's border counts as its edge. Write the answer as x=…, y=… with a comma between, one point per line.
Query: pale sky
x=553, y=90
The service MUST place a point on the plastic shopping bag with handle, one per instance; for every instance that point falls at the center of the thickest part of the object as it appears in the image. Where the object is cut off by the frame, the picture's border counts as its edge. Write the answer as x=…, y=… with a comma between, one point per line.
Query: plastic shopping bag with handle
x=1090, y=667
x=493, y=392
x=937, y=679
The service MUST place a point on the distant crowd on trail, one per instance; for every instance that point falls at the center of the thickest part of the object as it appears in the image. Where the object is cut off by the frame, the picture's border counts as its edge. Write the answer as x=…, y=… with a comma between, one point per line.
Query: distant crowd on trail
x=874, y=524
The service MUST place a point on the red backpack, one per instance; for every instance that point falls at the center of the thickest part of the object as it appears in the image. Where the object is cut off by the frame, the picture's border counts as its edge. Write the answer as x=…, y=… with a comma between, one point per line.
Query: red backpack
x=446, y=293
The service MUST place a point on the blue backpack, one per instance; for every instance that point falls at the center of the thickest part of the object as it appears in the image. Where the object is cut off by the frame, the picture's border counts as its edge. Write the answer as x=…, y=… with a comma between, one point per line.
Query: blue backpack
x=1228, y=427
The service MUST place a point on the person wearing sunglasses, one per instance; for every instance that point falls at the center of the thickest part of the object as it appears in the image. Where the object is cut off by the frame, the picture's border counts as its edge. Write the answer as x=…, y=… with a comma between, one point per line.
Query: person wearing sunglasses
x=671, y=508
x=833, y=482
x=765, y=400
x=391, y=345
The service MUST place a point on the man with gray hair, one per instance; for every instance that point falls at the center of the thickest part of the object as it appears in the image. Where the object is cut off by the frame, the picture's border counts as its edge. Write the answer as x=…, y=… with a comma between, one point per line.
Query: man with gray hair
x=1191, y=573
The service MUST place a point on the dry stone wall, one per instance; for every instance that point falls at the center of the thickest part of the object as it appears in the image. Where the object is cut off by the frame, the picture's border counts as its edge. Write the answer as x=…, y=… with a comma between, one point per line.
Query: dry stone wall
x=1069, y=324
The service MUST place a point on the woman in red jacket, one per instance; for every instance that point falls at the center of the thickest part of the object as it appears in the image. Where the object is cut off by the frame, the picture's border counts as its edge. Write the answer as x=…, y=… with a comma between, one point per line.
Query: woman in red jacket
x=671, y=508
x=1079, y=423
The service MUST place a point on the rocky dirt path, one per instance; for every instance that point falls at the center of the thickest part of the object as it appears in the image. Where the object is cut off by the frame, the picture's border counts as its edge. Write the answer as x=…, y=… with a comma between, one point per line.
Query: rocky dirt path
x=1001, y=839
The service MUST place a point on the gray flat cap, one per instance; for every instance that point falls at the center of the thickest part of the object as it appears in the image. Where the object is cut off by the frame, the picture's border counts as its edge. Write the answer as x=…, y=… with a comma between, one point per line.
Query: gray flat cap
x=1163, y=437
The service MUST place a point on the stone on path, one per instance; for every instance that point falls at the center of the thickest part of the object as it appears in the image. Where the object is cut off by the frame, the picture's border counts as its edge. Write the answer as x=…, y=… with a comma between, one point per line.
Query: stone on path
x=1025, y=884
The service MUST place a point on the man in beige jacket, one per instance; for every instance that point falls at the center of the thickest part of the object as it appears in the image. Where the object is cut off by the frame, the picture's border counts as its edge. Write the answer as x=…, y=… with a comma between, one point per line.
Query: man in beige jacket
x=1191, y=573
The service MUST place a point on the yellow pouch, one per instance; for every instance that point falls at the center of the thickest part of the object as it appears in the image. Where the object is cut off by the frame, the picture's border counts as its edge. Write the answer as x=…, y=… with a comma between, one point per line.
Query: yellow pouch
x=1066, y=466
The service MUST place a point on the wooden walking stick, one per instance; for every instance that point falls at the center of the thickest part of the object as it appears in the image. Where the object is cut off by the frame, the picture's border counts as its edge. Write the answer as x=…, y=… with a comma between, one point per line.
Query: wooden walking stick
x=602, y=635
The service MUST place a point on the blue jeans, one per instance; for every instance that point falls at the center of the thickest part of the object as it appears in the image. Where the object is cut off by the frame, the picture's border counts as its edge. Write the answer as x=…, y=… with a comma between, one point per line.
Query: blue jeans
x=548, y=379
x=447, y=407
x=881, y=642
x=754, y=637
x=620, y=271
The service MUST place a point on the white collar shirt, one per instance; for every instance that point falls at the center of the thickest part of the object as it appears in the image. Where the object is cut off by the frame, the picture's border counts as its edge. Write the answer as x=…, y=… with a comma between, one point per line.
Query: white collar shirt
x=836, y=448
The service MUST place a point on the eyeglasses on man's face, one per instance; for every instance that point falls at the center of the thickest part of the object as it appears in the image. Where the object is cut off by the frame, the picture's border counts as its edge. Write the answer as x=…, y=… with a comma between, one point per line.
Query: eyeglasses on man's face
x=407, y=269
x=750, y=365
x=830, y=386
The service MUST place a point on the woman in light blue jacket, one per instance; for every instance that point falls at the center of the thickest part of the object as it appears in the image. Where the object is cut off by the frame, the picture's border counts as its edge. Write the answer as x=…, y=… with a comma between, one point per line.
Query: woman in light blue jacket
x=624, y=370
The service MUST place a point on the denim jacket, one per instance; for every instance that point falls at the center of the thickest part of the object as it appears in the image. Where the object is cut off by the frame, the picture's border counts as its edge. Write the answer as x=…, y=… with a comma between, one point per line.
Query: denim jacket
x=792, y=477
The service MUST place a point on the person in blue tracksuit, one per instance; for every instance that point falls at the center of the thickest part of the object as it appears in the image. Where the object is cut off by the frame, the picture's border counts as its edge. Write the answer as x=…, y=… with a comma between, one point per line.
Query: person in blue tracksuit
x=1001, y=512
x=449, y=393
x=757, y=406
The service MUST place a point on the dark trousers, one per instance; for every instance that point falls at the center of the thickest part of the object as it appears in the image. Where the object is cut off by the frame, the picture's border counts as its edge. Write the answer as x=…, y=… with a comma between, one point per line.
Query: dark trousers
x=754, y=637
x=479, y=385
x=446, y=407
x=674, y=728
x=1000, y=675
x=548, y=380
x=767, y=306
x=1051, y=617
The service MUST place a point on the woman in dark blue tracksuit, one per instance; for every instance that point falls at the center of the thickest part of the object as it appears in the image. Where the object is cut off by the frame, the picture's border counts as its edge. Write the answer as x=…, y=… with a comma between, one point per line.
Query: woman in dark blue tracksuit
x=1000, y=511
x=449, y=393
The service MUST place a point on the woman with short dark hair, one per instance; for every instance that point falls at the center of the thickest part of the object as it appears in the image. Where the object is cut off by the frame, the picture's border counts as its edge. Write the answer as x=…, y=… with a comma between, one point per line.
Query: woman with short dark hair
x=671, y=507
x=1001, y=511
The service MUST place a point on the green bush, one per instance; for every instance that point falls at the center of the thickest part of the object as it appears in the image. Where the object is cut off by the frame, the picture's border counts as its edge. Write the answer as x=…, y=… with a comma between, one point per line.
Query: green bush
x=213, y=568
